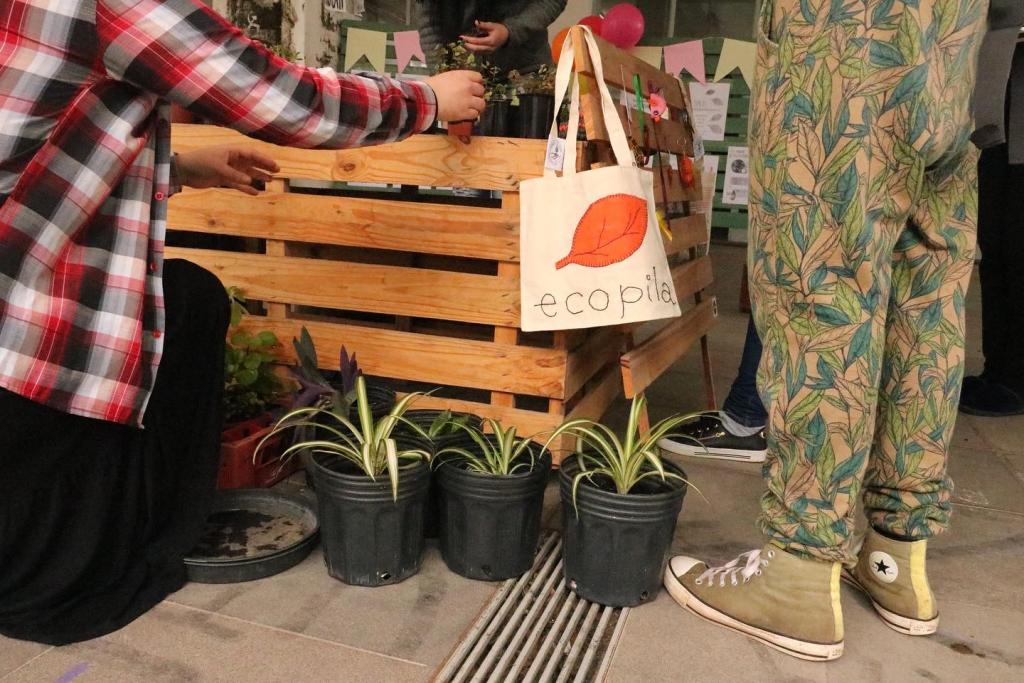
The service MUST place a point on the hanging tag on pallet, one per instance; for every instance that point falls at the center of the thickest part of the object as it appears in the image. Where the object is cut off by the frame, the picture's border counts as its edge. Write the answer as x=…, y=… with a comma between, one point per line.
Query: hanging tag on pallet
x=698, y=146
x=555, y=157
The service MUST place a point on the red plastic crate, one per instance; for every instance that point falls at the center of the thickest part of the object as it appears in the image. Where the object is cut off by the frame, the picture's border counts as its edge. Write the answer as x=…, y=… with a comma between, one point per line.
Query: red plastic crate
x=238, y=444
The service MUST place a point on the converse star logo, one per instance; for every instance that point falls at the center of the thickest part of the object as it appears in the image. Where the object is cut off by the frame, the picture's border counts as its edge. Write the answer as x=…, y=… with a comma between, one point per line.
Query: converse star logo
x=883, y=567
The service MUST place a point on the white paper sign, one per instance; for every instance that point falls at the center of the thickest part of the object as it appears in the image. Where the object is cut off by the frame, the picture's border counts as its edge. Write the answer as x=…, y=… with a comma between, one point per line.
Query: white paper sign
x=710, y=109
x=737, y=177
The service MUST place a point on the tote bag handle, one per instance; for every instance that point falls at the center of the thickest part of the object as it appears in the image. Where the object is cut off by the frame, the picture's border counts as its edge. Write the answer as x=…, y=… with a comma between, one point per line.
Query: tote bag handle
x=616, y=133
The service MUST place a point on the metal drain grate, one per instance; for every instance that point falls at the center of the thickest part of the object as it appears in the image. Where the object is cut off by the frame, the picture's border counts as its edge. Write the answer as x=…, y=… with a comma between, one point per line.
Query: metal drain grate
x=535, y=630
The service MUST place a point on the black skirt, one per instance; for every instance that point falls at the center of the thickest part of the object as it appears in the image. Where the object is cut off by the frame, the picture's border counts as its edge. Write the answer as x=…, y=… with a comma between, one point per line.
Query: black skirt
x=95, y=517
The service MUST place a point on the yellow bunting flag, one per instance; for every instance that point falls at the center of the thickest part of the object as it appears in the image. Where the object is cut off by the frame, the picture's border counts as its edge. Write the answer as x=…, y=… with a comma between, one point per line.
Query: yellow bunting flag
x=737, y=54
x=369, y=44
x=648, y=53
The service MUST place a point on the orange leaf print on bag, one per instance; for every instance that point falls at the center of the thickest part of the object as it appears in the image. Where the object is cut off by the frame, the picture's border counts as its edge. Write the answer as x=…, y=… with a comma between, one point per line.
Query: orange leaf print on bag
x=611, y=230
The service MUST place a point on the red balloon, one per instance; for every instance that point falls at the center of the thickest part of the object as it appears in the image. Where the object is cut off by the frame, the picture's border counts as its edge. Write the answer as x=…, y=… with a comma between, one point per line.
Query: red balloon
x=556, y=44
x=623, y=26
x=595, y=22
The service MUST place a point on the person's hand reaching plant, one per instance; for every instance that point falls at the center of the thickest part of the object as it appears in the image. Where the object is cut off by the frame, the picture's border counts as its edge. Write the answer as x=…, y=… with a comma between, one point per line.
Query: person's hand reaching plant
x=490, y=37
x=460, y=95
x=239, y=168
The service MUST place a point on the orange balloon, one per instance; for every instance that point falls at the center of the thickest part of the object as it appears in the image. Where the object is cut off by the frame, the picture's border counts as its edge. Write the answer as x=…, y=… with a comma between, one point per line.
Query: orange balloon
x=556, y=44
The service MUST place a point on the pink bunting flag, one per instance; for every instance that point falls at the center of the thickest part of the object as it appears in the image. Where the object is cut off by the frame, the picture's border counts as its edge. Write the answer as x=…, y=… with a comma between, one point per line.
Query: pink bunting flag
x=687, y=57
x=407, y=46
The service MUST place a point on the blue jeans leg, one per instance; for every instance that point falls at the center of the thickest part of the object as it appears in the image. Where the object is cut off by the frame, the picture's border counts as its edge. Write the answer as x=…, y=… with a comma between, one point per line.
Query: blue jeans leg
x=743, y=404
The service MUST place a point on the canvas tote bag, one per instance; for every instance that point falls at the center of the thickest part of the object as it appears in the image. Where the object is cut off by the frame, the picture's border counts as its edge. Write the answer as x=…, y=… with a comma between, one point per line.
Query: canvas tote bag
x=590, y=249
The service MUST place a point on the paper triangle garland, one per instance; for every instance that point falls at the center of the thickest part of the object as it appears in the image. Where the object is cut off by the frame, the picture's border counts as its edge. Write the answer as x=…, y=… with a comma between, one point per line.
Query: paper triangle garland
x=369, y=44
x=648, y=53
x=737, y=54
x=688, y=57
x=407, y=46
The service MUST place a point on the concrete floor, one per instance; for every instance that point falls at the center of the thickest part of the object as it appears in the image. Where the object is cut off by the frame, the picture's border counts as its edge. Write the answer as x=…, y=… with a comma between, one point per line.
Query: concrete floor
x=304, y=626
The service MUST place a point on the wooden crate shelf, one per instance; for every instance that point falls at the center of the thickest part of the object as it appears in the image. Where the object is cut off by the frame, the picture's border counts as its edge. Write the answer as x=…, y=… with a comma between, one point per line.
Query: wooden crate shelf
x=424, y=288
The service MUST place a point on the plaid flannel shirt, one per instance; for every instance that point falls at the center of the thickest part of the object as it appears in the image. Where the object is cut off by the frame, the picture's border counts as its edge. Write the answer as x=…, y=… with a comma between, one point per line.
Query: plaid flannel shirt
x=85, y=164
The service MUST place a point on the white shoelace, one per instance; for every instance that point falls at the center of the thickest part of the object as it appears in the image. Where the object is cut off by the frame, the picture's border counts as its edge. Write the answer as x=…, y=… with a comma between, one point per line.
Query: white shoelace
x=745, y=566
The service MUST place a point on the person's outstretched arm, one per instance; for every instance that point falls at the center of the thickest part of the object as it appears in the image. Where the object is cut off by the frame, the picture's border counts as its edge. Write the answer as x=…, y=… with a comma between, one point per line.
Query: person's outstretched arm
x=182, y=51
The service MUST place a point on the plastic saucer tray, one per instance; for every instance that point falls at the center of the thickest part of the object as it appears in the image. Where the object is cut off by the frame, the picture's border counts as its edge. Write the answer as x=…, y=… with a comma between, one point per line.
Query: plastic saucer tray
x=252, y=534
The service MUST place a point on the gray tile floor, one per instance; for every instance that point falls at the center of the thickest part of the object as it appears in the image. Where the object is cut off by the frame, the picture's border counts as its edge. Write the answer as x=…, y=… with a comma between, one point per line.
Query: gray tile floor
x=303, y=626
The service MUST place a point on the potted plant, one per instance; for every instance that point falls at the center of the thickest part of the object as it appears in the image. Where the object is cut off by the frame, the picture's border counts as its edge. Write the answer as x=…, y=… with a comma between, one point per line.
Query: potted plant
x=494, y=121
x=455, y=57
x=251, y=390
x=620, y=501
x=497, y=94
x=536, y=93
x=336, y=394
x=336, y=390
x=492, y=500
x=443, y=430
x=371, y=490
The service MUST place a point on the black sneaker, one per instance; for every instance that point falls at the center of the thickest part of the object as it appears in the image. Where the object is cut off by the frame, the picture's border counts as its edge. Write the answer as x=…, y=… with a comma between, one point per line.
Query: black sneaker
x=706, y=437
x=986, y=398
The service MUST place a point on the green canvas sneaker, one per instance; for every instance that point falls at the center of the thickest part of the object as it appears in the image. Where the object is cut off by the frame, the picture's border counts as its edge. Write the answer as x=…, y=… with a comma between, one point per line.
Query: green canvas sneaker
x=892, y=573
x=784, y=601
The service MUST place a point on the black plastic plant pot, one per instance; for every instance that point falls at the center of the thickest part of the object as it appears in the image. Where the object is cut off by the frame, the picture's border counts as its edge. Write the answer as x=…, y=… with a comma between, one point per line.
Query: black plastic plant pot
x=370, y=539
x=460, y=439
x=615, y=545
x=490, y=524
x=494, y=121
x=381, y=399
x=535, y=114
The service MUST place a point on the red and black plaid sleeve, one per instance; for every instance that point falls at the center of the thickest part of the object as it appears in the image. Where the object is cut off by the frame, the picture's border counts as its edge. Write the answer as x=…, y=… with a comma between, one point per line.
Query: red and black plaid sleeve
x=184, y=52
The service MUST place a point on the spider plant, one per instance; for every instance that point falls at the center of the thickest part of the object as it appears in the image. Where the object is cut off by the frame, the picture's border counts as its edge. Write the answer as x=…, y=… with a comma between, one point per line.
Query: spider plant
x=369, y=445
x=501, y=452
x=625, y=462
x=446, y=424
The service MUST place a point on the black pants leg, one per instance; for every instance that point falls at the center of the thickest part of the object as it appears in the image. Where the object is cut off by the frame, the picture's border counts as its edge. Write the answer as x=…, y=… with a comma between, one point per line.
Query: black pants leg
x=1001, y=238
x=95, y=517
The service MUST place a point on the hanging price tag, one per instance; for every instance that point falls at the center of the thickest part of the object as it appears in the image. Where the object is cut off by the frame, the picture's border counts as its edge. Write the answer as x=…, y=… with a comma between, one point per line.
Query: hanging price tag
x=554, y=159
x=698, y=146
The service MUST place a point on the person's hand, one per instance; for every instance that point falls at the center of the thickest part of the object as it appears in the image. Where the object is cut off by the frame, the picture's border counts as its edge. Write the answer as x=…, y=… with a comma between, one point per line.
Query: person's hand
x=234, y=167
x=460, y=95
x=493, y=38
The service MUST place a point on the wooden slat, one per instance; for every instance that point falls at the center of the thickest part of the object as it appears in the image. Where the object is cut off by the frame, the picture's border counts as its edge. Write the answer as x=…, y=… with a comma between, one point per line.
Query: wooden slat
x=692, y=276
x=671, y=136
x=527, y=422
x=676, y=191
x=687, y=232
x=362, y=287
x=603, y=393
x=506, y=335
x=644, y=364
x=349, y=221
x=428, y=358
x=619, y=67
x=436, y=160
x=601, y=346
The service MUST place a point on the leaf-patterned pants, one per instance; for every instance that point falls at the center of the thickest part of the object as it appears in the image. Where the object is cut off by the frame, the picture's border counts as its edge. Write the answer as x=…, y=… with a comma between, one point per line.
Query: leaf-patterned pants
x=863, y=229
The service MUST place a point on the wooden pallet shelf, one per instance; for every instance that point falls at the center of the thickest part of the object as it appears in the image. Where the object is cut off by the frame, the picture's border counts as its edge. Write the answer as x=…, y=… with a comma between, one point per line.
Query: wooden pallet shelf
x=425, y=287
